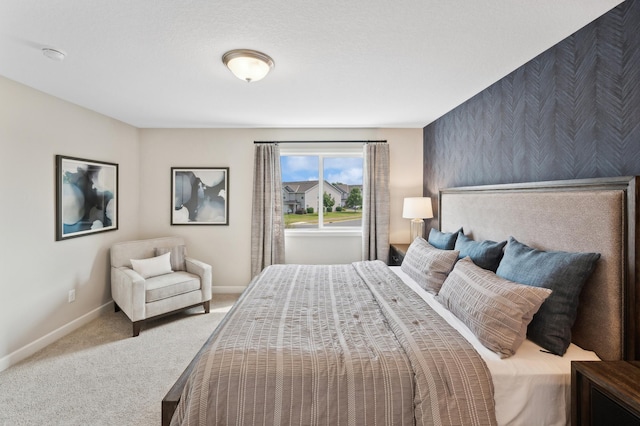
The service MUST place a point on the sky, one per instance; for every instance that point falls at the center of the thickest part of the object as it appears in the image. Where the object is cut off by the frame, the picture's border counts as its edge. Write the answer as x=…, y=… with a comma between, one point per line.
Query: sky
x=346, y=170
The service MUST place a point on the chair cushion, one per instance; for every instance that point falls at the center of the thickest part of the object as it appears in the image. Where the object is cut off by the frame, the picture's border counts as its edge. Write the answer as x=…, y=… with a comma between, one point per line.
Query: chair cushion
x=169, y=285
x=178, y=254
x=123, y=252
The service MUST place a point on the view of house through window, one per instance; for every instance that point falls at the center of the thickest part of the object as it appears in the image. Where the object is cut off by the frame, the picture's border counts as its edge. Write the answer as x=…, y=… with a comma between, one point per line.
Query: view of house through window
x=322, y=191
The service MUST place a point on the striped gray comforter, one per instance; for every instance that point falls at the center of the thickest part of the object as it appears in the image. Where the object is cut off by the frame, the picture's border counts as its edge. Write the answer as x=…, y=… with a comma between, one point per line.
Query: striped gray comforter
x=336, y=345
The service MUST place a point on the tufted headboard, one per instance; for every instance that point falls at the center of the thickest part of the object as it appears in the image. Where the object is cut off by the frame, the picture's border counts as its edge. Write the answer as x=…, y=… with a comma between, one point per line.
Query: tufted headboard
x=587, y=215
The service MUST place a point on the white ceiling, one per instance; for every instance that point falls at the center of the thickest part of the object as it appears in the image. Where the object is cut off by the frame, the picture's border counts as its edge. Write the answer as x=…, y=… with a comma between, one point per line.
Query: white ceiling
x=353, y=63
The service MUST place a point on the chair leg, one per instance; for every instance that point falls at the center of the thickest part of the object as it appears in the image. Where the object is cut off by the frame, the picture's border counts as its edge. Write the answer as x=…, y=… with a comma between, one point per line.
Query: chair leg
x=206, y=306
x=136, y=327
x=116, y=307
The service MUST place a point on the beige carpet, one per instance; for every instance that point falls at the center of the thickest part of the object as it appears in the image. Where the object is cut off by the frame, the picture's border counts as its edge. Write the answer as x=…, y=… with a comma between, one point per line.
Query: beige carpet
x=100, y=375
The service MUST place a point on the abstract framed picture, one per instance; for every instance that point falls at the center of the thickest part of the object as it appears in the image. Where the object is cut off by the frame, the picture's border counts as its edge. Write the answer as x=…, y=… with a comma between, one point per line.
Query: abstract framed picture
x=86, y=197
x=199, y=196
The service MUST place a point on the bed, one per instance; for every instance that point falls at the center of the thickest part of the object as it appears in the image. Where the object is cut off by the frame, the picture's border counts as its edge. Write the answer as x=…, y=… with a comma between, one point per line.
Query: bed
x=353, y=376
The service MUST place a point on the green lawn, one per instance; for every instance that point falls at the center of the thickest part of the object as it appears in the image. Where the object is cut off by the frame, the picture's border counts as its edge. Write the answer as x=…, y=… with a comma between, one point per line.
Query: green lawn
x=328, y=217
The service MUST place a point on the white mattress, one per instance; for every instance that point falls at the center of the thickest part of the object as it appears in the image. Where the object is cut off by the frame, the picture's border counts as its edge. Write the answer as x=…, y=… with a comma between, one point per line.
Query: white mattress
x=540, y=394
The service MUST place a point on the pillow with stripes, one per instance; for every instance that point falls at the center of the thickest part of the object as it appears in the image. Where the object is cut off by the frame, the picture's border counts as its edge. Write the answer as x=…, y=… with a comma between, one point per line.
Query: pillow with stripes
x=496, y=310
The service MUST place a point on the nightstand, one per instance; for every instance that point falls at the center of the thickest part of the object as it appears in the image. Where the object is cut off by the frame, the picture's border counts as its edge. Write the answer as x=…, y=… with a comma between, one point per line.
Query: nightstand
x=397, y=252
x=605, y=393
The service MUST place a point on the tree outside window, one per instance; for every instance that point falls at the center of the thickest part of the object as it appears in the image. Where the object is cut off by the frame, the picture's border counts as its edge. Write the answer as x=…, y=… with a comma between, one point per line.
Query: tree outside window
x=354, y=201
x=328, y=201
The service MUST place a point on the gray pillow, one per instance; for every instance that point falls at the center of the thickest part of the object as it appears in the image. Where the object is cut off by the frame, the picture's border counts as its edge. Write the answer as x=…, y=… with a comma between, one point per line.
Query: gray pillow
x=443, y=240
x=427, y=265
x=563, y=272
x=178, y=254
x=486, y=254
x=496, y=310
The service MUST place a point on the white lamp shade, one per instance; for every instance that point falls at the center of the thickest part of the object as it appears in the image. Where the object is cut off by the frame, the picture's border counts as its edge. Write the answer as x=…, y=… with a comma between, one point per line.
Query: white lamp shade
x=248, y=65
x=417, y=208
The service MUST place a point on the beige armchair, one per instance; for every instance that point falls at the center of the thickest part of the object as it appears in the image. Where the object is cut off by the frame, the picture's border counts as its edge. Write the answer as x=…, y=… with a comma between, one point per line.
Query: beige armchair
x=155, y=287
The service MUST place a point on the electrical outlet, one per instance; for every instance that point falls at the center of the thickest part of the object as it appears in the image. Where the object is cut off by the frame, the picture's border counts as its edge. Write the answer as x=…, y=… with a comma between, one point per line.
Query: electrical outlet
x=72, y=296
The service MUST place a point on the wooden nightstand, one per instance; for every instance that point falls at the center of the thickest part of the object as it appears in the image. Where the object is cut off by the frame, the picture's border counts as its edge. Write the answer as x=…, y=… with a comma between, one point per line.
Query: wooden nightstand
x=397, y=252
x=605, y=393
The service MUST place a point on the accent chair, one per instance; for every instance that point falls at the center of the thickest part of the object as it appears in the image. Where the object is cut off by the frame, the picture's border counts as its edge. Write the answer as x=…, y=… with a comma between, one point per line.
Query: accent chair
x=155, y=277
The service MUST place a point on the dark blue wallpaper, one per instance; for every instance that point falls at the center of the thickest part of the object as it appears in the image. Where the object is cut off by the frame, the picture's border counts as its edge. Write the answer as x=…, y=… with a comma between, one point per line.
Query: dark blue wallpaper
x=572, y=112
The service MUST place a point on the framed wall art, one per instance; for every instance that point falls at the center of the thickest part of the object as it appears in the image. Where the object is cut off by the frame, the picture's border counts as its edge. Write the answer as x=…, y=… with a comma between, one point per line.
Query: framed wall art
x=199, y=195
x=86, y=197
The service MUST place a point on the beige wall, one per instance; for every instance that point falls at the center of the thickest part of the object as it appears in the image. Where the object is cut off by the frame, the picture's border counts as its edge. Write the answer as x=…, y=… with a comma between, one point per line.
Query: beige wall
x=227, y=248
x=36, y=271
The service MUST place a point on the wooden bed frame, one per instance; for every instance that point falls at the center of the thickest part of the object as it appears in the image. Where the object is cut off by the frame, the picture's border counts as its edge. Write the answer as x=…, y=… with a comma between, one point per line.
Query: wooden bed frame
x=598, y=215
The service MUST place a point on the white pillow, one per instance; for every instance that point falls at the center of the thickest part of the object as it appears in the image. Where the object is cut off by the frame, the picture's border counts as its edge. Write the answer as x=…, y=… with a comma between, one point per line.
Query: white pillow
x=153, y=266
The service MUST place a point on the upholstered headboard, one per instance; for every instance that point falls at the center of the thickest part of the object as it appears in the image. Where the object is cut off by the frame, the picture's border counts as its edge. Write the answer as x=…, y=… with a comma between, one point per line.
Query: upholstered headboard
x=589, y=215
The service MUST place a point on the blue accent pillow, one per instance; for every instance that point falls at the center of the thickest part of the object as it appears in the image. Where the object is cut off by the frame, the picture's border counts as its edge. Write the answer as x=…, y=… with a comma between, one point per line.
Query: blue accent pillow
x=443, y=240
x=485, y=254
x=564, y=273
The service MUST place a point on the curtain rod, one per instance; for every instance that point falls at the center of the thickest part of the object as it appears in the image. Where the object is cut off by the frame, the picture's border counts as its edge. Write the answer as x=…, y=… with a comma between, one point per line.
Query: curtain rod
x=277, y=142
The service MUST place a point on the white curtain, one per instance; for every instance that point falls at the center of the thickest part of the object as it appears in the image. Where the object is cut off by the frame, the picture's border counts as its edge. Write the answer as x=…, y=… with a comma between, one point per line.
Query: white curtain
x=267, y=221
x=375, y=216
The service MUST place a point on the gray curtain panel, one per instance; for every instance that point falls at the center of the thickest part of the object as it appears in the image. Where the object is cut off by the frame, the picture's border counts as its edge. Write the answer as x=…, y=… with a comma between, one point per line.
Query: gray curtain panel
x=267, y=221
x=375, y=216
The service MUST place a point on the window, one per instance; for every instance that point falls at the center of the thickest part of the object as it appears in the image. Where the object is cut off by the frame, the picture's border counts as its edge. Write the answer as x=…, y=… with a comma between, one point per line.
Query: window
x=322, y=186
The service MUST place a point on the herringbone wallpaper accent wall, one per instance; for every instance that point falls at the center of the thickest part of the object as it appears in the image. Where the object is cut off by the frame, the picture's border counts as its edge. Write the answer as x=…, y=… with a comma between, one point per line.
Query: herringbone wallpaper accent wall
x=572, y=112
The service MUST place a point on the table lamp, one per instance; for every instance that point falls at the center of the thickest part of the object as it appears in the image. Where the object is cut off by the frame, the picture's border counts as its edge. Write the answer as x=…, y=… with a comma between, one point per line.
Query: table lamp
x=417, y=209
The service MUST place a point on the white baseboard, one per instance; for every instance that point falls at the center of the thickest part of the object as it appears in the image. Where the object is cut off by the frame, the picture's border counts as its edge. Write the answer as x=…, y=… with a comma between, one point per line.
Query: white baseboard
x=227, y=289
x=33, y=347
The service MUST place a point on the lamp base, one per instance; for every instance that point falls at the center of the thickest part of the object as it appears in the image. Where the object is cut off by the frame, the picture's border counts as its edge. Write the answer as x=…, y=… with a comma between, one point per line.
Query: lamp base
x=417, y=228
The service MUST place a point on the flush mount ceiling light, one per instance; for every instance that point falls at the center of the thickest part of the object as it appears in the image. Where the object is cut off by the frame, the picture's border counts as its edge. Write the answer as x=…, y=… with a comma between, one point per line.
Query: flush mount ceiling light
x=248, y=65
x=53, y=54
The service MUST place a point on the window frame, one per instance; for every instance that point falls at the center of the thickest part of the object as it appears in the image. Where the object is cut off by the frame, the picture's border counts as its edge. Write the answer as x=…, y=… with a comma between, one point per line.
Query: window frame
x=322, y=151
